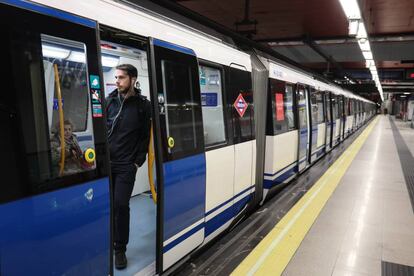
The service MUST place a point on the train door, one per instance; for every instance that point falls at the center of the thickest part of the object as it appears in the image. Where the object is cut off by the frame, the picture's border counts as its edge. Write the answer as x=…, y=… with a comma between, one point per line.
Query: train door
x=336, y=122
x=329, y=120
x=318, y=124
x=179, y=147
x=55, y=193
x=342, y=116
x=347, y=117
x=303, y=124
x=117, y=48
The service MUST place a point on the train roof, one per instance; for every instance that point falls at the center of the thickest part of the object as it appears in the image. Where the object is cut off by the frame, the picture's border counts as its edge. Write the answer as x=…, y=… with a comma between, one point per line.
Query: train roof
x=207, y=45
x=289, y=74
x=149, y=24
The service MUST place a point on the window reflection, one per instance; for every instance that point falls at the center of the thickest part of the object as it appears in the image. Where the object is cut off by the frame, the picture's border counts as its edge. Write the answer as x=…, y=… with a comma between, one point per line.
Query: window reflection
x=67, y=103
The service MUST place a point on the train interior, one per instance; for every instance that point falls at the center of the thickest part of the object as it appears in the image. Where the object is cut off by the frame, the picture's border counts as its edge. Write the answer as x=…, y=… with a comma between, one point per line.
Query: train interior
x=142, y=240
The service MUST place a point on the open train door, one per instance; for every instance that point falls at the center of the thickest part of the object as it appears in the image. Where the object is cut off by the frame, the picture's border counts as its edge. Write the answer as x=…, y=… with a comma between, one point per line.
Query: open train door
x=179, y=149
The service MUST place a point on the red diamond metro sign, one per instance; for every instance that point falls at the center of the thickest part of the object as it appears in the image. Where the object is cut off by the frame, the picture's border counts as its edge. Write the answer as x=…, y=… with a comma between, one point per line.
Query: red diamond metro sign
x=240, y=105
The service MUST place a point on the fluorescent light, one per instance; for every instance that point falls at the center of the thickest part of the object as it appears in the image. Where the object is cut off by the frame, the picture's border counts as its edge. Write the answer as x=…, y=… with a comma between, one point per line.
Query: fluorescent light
x=353, y=27
x=362, y=32
x=407, y=93
x=108, y=61
x=369, y=63
x=402, y=96
x=364, y=44
x=54, y=52
x=367, y=55
x=77, y=57
x=351, y=9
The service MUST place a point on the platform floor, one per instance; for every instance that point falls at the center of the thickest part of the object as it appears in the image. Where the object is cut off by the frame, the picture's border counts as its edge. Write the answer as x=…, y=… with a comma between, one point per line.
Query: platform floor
x=141, y=246
x=368, y=219
x=366, y=225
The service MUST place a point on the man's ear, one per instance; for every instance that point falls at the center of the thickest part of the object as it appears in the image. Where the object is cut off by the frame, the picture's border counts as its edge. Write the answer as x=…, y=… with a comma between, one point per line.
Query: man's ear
x=133, y=81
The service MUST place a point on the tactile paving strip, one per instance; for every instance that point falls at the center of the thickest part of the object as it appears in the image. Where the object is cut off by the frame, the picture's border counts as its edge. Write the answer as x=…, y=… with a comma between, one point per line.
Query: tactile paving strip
x=406, y=159
x=392, y=269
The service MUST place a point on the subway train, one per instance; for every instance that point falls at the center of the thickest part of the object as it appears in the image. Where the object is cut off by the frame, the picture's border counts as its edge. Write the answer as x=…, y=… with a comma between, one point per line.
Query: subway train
x=229, y=127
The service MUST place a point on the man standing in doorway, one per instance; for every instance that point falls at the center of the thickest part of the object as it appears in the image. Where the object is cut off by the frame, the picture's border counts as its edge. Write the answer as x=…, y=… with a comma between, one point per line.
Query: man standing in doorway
x=128, y=122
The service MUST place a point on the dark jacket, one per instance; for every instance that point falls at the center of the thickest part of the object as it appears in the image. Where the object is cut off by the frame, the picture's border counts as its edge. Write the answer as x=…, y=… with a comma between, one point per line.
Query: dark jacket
x=128, y=125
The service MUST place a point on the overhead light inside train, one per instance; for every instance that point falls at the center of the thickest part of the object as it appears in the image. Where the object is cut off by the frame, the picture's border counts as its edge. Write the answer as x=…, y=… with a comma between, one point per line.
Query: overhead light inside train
x=109, y=61
x=54, y=52
x=77, y=57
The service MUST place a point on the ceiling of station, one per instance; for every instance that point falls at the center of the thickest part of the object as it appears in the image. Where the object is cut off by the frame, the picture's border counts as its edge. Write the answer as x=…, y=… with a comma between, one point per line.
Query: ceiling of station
x=314, y=33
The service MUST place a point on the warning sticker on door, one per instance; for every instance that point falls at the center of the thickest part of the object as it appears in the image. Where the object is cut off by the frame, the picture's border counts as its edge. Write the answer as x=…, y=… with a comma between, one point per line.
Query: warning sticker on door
x=240, y=105
x=97, y=111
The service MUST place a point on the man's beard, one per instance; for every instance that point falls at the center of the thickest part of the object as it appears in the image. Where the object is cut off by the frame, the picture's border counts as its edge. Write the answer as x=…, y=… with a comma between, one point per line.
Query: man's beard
x=124, y=91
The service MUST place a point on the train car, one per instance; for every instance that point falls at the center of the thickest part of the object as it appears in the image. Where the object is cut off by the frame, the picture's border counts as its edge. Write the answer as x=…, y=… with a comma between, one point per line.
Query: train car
x=203, y=121
x=223, y=137
x=303, y=122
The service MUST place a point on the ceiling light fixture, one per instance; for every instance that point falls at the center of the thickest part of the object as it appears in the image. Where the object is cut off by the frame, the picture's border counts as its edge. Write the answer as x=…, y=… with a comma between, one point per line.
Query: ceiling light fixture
x=351, y=9
x=357, y=28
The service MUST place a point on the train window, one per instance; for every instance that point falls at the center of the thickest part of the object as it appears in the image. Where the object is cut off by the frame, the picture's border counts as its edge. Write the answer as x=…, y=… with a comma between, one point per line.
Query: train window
x=346, y=107
x=328, y=107
x=47, y=123
x=180, y=106
x=239, y=85
x=212, y=105
x=281, y=106
x=314, y=107
x=65, y=76
x=288, y=104
x=341, y=111
x=301, y=98
x=334, y=101
x=319, y=103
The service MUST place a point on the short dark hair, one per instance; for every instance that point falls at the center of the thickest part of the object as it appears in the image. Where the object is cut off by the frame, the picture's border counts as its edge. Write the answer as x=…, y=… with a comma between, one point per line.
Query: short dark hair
x=130, y=69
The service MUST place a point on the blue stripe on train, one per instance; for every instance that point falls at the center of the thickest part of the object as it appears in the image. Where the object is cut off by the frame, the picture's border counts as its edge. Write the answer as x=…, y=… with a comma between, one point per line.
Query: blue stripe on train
x=268, y=184
x=174, y=47
x=222, y=218
x=227, y=201
x=61, y=232
x=51, y=12
x=182, y=237
x=273, y=174
x=217, y=221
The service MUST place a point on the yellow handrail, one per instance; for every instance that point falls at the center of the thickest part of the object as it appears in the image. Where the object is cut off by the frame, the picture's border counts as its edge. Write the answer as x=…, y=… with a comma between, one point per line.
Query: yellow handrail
x=61, y=120
x=150, y=167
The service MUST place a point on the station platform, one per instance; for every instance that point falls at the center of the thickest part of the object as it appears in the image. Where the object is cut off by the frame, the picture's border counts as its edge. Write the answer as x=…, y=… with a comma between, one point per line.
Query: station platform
x=351, y=214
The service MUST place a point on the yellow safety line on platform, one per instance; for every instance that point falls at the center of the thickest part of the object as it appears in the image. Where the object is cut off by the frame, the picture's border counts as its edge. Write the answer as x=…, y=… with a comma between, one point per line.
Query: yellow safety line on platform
x=273, y=253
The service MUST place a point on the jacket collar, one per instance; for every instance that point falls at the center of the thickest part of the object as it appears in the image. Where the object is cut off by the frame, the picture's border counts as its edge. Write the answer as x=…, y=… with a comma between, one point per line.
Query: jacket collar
x=114, y=94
